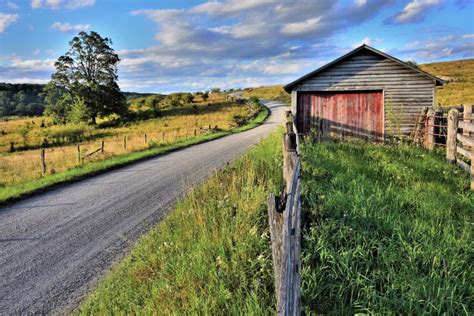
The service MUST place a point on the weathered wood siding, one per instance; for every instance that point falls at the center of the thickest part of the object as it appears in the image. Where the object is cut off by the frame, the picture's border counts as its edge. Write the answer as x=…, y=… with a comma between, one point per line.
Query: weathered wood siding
x=406, y=91
x=342, y=114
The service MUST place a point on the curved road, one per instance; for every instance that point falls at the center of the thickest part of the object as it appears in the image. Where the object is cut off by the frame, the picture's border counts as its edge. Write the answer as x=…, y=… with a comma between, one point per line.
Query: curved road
x=55, y=246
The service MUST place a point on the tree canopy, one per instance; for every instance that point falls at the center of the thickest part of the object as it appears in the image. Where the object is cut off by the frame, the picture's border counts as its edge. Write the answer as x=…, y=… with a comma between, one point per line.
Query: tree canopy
x=87, y=75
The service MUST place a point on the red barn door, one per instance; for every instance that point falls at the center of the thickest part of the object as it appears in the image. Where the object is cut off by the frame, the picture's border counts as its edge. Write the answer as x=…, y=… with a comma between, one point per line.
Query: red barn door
x=342, y=114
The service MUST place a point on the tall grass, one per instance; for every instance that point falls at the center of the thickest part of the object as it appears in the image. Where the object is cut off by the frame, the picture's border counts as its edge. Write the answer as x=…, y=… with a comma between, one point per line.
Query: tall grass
x=388, y=229
x=211, y=255
x=178, y=124
x=104, y=162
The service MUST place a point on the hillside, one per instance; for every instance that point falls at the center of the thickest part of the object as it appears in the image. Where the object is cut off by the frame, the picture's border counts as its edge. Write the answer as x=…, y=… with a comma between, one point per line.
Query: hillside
x=268, y=92
x=460, y=77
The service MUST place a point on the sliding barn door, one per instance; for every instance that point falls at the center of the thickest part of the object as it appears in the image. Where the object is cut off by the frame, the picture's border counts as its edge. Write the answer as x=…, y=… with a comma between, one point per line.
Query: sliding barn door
x=341, y=114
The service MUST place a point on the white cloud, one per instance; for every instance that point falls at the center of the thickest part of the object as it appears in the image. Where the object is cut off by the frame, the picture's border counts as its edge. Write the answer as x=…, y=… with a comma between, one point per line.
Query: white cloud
x=54, y=4
x=415, y=10
x=232, y=40
x=31, y=65
x=230, y=6
x=451, y=46
x=57, y=4
x=36, y=52
x=301, y=27
x=12, y=5
x=74, y=4
x=35, y=4
x=67, y=27
x=6, y=20
x=23, y=80
x=360, y=3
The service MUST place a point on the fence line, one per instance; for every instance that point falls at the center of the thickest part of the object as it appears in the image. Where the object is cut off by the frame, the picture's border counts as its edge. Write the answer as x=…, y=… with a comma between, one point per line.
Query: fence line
x=127, y=144
x=461, y=144
x=285, y=227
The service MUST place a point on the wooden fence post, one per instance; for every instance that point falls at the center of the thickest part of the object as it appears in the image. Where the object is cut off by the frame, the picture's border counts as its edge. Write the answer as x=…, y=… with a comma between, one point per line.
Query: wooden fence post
x=467, y=117
x=145, y=138
x=43, y=162
x=102, y=147
x=275, y=220
x=429, y=131
x=162, y=136
x=453, y=119
x=79, y=161
x=289, y=157
x=472, y=168
x=125, y=142
x=194, y=132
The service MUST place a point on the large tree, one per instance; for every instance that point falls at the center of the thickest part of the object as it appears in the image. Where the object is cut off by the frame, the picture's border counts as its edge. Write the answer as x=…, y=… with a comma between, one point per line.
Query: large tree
x=88, y=72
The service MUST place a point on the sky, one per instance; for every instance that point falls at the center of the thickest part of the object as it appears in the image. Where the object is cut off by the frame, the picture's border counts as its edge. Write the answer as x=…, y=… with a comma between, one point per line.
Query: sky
x=189, y=45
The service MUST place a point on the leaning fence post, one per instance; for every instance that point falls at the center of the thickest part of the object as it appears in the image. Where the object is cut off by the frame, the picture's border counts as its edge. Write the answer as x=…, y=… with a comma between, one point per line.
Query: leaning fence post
x=43, y=162
x=429, y=131
x=102, y=147
x=79, y=154
x=451, y=146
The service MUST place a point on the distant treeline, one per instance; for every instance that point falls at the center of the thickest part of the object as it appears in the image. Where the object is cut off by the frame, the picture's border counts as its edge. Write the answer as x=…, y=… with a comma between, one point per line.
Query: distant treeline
x=21, y=99
x=24, y=99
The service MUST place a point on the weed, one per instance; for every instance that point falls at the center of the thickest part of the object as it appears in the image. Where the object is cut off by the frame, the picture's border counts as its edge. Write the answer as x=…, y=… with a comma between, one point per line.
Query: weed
x=388, y=230
x=211, y=255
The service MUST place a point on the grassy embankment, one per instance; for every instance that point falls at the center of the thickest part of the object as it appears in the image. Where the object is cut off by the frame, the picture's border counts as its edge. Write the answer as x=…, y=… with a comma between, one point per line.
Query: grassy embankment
x=268, y=92
x=210, y=255
x=21, y=174
x=461, y=90
x=388, y=229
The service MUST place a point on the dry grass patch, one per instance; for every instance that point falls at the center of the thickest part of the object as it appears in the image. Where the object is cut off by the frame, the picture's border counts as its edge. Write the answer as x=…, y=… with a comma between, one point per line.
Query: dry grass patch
x=177, y=125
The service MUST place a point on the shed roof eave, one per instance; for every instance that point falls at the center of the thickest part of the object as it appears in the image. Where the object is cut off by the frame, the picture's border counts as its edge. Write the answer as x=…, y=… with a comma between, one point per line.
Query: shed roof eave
x=291, y=85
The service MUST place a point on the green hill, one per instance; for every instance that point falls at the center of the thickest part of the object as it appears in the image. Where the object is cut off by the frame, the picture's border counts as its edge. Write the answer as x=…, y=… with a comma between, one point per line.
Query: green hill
x=460, y=77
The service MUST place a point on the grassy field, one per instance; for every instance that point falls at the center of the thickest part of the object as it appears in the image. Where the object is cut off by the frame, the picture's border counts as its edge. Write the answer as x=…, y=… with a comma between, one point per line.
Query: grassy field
x=211, y=255
x=30, y=133
x=461, y=90
x=387, y=230
x=106, y=162
x=176, y=124
x=268, y=92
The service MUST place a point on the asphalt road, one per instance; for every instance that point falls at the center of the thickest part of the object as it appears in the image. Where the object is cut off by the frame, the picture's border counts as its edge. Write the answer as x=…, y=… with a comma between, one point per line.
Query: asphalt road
x=55, y=246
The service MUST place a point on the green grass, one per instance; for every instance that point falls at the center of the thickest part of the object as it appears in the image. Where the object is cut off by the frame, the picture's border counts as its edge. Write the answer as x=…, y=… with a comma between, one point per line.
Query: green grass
x=20, y=190
x=210, y=255
x=461, y=91
x=387, y=229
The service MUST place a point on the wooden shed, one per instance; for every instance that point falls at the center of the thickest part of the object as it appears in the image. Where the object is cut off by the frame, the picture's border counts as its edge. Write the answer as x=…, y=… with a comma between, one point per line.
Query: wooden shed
x=365, y=93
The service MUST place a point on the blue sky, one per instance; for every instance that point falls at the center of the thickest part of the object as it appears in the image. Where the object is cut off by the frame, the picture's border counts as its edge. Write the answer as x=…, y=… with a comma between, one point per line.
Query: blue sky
x=195, y=45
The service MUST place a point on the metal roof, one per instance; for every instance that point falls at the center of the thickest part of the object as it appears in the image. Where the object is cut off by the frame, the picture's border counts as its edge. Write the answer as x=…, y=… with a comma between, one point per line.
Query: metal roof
x=290, y=86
